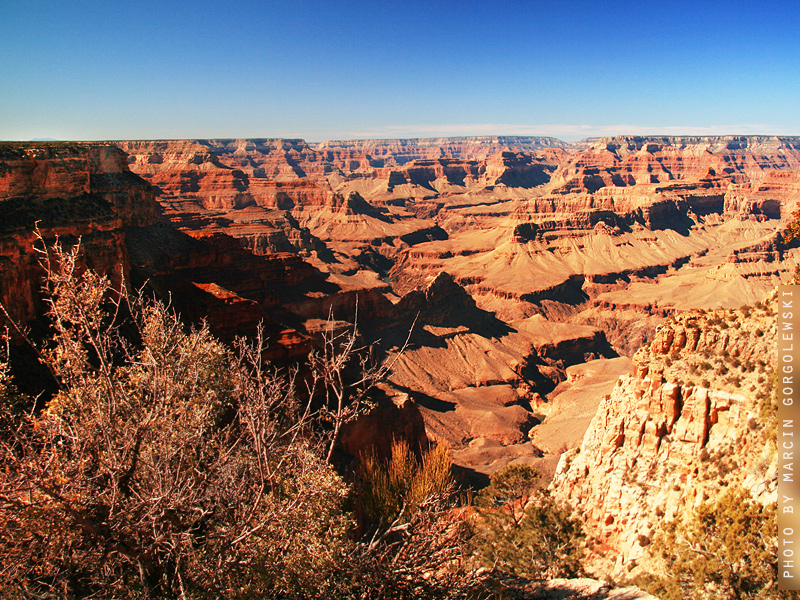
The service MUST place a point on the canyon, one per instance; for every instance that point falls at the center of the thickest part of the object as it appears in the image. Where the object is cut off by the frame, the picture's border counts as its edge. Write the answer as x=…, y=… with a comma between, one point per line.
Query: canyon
x=528, y=292
x=524, y=257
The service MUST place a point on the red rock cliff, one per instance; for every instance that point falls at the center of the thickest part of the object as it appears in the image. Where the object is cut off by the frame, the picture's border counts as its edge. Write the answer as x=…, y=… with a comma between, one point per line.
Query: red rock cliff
x=70, y=190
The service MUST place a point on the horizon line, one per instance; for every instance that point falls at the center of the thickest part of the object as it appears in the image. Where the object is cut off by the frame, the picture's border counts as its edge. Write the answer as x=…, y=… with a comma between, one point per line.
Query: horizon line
x=359, y=138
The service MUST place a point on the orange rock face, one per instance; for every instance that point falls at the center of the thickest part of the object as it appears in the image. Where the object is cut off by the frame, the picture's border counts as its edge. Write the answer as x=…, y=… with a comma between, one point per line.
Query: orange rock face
x=683, y=425
x=521, y=256
x=69, y=191
x=401, y=151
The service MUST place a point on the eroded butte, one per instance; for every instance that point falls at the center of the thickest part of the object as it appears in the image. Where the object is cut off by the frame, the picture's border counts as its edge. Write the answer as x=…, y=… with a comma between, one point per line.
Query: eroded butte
x=527, y=265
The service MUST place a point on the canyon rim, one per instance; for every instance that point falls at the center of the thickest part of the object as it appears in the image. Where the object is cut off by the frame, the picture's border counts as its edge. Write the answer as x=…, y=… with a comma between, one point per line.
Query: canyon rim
x=598, y=310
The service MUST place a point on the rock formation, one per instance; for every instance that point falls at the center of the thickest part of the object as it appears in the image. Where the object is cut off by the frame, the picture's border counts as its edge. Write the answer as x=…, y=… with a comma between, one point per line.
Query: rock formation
x=480, y=382
x=691, y=419
x=398, y=152
x=69, y=191
x=519, y=258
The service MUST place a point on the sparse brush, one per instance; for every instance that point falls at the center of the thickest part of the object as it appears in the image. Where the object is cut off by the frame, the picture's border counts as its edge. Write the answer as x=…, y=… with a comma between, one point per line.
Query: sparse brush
x=525, y=532
x=725, y=550
x=394, y=489
x=168, y=466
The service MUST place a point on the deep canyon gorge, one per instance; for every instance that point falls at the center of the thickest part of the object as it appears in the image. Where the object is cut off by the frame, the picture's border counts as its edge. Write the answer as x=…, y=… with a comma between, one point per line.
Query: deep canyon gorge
x=574, y=307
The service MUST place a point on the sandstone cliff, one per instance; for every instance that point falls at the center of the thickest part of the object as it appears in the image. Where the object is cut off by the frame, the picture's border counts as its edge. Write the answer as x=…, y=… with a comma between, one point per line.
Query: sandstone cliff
x=691, y=419
x=401, y=151
x=69, y=191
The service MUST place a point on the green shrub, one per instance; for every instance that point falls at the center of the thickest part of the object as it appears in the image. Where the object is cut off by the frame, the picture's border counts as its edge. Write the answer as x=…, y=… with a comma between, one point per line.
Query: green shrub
x=514, y=482
x=525, y=532
x=725, y=550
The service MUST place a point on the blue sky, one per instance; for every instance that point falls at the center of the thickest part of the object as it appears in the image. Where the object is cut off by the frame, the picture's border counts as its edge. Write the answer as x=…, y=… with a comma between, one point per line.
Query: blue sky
x=318, y=70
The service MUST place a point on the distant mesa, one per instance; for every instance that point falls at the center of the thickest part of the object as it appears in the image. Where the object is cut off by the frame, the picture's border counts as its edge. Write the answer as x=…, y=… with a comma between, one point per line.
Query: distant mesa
x=526, y=258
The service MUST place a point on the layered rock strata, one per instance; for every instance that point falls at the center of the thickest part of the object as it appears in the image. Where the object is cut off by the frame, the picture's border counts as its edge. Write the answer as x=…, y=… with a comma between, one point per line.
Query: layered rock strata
x=614, y=233
x=476, y=214
x=71, y=192
x=480, y=382
x=558, y=248
x=401, y=151
x=690, y=420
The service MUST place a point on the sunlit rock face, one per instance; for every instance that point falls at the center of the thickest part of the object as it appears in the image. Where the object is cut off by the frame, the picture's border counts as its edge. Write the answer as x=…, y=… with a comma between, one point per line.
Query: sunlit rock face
x=687, y=422
x=520, y=258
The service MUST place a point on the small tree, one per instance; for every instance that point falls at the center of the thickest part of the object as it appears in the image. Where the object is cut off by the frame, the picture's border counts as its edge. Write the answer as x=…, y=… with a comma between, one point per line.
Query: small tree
x=525, y=532
x=726, y=550
x=512, y=484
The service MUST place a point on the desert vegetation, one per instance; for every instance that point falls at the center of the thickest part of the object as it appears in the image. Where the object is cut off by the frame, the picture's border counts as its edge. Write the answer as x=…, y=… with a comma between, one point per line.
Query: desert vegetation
x=170, y=466
x=521, y=530
x=725, y=549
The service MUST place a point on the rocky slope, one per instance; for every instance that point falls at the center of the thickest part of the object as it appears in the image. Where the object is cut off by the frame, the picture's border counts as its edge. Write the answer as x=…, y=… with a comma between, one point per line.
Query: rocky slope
x=480, y=382
x=69, y=191
x=519, y=258
x=690, y=419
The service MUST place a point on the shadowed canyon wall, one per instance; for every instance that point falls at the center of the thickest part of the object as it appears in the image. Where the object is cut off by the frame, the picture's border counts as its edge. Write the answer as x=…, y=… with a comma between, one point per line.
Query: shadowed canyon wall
x=520, y=261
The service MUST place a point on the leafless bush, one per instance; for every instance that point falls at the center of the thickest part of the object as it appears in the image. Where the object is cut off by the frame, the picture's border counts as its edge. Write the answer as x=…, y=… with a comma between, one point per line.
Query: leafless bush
x=344, y=399
x=171, y=467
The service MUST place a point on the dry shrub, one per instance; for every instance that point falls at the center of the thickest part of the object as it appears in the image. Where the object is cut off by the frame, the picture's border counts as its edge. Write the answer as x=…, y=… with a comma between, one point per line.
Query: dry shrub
x=395, y=489
x=171, y=467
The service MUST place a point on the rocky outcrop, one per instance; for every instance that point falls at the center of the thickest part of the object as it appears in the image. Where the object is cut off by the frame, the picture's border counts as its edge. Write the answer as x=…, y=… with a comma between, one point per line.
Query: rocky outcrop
x=686, y=423
x=393, y=418
x=774, y=196
x=232, y=174
x=519, y=169
x=70, y=192
x=211, y=277
x=574, y=589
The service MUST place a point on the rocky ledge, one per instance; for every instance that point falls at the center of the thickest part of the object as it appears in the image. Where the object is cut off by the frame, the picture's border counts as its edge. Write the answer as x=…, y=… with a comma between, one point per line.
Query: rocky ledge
x=692, y=418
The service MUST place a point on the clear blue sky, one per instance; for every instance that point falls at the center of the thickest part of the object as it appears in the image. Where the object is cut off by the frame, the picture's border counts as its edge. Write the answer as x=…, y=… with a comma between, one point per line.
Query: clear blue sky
x=117, y=69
